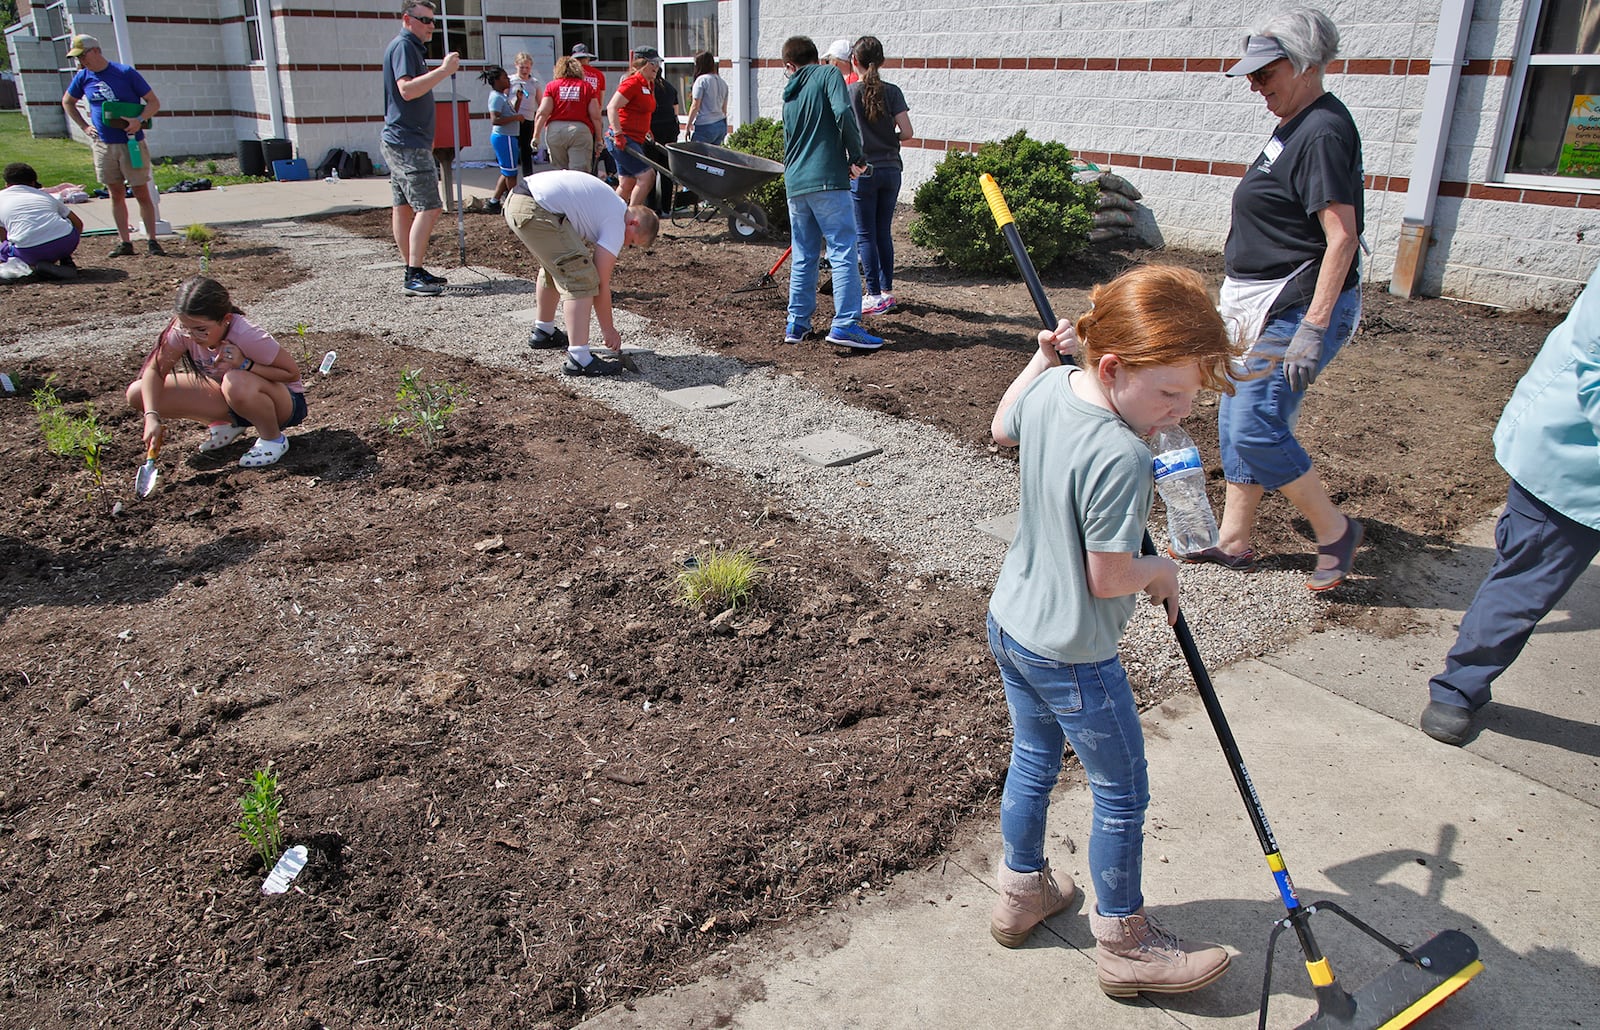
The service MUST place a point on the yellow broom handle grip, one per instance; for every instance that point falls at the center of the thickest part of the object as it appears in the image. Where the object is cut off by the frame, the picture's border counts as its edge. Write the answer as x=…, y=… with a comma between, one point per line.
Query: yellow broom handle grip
x=996, y=199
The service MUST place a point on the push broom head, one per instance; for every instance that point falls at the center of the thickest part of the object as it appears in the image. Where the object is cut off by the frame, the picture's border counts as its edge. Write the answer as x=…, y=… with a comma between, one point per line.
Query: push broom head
x=1403, y=993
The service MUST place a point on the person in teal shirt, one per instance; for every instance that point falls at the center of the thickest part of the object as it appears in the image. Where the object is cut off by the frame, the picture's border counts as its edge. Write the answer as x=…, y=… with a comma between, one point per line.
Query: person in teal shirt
x=822, y=153
x=1548, y=441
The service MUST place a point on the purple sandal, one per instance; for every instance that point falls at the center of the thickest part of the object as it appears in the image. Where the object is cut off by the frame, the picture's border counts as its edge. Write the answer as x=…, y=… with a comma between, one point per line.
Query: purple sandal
x=1245, y=562
x=1344, y=551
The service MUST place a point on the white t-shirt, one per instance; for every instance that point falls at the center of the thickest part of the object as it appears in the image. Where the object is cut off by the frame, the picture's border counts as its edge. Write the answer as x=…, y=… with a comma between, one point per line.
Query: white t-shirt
x=593, y=208
x=530, y=90
x=712, y=92
x=33, y=217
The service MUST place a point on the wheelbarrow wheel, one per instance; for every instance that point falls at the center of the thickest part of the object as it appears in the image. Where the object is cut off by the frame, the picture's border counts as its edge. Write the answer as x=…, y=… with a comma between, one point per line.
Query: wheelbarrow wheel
x=747, y=220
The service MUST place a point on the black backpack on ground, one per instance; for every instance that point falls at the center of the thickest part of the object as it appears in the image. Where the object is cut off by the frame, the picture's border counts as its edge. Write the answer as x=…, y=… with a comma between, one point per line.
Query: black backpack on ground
x=363, y=164
x=331, y=160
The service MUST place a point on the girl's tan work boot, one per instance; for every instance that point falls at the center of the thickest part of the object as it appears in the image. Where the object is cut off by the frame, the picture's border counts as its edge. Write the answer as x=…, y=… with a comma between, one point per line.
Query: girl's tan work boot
x=1135, y=954
x=1026, y=900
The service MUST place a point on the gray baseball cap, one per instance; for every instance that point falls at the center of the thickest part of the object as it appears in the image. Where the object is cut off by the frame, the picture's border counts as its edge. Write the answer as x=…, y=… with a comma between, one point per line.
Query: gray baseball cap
x=1259, y=51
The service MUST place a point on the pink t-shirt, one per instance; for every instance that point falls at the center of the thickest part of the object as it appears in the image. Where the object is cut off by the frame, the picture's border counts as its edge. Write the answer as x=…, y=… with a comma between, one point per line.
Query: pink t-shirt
x=253, y=342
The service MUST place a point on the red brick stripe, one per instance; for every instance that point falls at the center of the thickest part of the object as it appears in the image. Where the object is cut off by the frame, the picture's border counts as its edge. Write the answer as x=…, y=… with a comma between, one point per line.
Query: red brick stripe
x=1498, y=67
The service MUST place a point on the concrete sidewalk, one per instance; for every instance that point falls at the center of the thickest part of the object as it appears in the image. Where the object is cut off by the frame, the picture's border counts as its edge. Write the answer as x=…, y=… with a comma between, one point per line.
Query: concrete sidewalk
x=1498, y=839
x=276, y=201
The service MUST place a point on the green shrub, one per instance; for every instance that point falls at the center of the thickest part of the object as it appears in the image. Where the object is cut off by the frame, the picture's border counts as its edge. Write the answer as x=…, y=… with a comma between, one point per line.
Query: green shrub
x=1053, y=213
x=81, y=437
x=764, y=138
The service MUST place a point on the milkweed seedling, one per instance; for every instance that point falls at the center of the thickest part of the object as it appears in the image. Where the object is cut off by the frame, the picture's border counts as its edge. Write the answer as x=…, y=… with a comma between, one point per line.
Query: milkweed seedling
x=719, y=580
x=261, y=825
x=424, y=408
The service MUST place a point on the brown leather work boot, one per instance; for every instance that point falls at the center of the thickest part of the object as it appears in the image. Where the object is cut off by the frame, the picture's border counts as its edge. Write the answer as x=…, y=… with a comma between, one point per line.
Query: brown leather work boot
x=1026, y=900
x=1136, y=954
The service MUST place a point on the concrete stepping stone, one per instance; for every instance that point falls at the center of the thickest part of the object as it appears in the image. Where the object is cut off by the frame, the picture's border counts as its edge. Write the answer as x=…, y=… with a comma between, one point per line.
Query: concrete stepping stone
x=699, y=398
x=832, y=448
x=1001, y=527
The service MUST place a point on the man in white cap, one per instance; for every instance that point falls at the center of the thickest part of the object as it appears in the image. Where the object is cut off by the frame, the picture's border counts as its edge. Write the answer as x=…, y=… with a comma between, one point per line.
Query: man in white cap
x=839, y=56
x=98, y=81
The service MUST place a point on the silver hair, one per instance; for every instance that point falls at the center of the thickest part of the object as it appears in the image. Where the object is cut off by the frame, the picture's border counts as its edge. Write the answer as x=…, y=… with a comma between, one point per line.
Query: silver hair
x=1307, y=35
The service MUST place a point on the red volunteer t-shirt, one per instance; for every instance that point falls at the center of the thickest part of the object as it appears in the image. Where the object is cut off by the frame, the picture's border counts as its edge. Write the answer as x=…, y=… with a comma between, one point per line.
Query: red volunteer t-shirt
x=635, y=115
x=571, y=99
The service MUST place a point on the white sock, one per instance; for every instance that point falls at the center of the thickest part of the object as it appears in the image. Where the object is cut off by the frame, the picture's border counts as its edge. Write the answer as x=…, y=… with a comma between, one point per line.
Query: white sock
x=580, y=355
x=545, y=327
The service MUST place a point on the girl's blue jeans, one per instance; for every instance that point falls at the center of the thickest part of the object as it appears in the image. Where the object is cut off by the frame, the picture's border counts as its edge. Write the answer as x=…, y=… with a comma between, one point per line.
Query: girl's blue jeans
x=875, y=196
x=1091, y=707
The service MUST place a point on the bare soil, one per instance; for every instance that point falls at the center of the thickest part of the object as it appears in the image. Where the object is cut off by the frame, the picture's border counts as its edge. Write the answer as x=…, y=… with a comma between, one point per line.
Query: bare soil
x=532, y=784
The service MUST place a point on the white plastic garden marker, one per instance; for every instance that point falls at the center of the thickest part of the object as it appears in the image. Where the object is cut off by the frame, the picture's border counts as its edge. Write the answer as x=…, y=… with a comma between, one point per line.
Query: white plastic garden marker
x=288, y=867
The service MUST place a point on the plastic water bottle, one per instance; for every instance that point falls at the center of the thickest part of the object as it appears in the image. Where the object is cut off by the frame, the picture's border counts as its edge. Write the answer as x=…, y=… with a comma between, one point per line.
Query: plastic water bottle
x=1191, y=524
x=327, y=362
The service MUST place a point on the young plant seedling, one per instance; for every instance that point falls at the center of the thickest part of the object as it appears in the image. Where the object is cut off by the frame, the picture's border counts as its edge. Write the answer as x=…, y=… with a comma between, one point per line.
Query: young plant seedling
x=424, y=409
x=261, y=825
x=199, y=233
x=81, y=437
x=719, y=580
x=305, y=356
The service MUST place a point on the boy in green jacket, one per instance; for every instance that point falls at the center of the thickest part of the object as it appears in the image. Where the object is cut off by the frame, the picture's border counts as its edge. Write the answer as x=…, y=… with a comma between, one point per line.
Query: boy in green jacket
x=822, y=152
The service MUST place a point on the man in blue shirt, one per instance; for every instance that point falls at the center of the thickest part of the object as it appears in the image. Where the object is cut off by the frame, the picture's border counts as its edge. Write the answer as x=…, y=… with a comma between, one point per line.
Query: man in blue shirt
x=408, y=140
x=99, y=80
x=1548, y=441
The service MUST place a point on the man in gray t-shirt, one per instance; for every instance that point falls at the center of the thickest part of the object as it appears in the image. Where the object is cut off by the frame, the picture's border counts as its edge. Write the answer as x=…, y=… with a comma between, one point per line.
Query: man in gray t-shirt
x=408, y=140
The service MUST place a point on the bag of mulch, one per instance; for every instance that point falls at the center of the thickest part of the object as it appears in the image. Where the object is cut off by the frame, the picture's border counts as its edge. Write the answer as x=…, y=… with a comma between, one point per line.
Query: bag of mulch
x=1108, y=200
x=1114, y=183
x=1113, y=219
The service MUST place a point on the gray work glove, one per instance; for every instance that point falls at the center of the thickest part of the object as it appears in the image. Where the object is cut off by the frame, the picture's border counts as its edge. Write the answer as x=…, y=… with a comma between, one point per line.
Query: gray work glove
x=1300, y=360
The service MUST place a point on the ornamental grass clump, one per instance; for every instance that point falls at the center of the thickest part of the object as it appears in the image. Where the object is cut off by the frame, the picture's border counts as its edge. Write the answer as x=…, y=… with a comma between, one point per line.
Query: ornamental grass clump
x=719, y=580
x=261, y=825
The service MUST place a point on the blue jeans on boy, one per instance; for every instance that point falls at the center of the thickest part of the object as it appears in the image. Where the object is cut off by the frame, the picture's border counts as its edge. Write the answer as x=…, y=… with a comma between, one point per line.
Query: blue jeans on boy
x=1255, y=426
x=875, y=196
x=1539, y=554
x=1091, y=706
x=826, y=216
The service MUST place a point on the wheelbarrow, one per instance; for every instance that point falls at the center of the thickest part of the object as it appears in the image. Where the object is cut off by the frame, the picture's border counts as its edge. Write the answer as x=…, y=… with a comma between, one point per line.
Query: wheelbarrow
x=721, y=177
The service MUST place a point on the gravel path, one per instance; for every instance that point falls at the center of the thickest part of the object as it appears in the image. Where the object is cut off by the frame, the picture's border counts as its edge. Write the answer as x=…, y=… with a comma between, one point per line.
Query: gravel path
x=921, y=498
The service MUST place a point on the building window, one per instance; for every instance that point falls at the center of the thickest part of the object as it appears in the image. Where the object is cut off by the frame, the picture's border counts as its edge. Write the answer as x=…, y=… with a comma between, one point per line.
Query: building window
x=1555, y=133
x=252, y=28
x=600, y=25
x=460, y=29
x=687, y=27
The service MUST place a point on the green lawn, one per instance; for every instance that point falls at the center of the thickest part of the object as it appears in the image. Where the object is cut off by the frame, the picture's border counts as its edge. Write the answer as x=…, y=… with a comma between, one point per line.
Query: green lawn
x=61, y=160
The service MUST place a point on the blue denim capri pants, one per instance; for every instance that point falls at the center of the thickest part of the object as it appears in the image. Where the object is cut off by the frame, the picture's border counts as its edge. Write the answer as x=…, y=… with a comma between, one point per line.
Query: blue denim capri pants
x=1255, y=427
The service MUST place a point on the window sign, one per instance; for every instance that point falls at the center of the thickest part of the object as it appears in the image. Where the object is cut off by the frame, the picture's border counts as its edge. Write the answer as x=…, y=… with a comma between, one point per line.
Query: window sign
x=1555, y=129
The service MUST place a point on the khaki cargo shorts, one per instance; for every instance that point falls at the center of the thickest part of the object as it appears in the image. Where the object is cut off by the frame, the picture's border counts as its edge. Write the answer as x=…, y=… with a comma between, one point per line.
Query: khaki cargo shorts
x=564, y=258
x=113, y=165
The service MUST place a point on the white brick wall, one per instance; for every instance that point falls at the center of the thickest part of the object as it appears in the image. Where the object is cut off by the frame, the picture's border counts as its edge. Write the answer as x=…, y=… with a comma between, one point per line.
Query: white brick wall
x=1487, y=250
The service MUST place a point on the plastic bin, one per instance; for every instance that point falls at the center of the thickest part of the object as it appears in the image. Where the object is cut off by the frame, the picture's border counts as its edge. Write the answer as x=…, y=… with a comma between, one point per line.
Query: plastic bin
x=291, y=171
x=275, y=150
x=251, y=159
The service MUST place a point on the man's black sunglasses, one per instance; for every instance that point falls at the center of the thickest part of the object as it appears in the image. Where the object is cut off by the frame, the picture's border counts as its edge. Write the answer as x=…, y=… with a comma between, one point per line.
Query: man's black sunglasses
x=423, y=18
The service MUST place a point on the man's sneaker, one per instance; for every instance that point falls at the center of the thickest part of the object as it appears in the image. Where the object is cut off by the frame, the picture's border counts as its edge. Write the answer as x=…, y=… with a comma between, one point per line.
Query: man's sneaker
x=67, y=262
x=429, y=277
x=795, y=333
x=492, y=207
x=595, y=367
x=123, y=249
x=854, y=337
x=155, y=248
x=878, y=304
x=541, y=340
x=418, y=286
